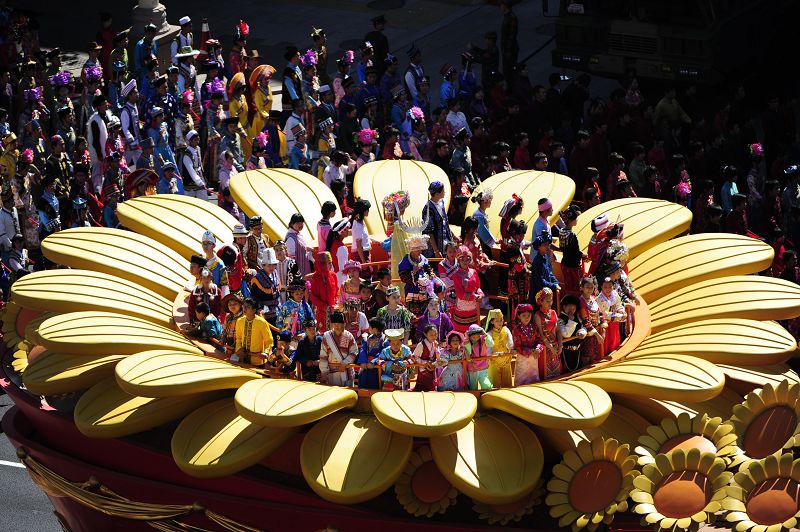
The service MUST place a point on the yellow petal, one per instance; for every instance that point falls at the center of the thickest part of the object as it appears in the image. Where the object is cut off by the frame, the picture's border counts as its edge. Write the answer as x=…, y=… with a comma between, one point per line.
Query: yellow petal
x=495, y=459
x=54, y=373
x=530, y=185
x=120, y=253
x=376, y=181
x=276, y=194
x=163, y=373
x=105, y=411
x=701, y=257
x=214, y=441
x=289, y=403
x=747, y=378
x=107, y=333
x=176, y=221
x=648, y=222
x=676, y=377
x=424, y=414
x=351, y=459
x=556, y=405
x=744, y=296
x=723, y=341
x=84, y=290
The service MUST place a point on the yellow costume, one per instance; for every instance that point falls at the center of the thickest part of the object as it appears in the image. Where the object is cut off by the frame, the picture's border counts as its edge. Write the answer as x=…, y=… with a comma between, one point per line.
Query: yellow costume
x=325, y=149
x=262, y=100
x=500, y=366
x=255, y=337
x=238, y=108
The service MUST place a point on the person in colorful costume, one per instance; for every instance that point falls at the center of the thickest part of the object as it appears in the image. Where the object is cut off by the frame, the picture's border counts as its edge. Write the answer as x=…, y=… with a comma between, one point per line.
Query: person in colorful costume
x=205, y=292
x=572, y=269
x=467, y=286
x=426, y=354
x=262, y=97
x=253, y=336
x=219, y=272
x=500, y=364
x=288, y=270
x=231, y=311
x=324, y=290
x=438, y=226
x=394, y=207
x=265, y=286
x=451, y=364
x=306, y=356
x=394, y=315
x=339, y=349
x=518, y=273
x=414, y=272
x=434, y=316
x=256, y=242
x=355, y=321
x=295, y=311
x=296, y=246
x=592, y=349
x=526, y=343
x=371, y=348
x=394, y=361
x=546, y=321
x=612, y=308
x=478, y=350
x=572, y=333
x=351, y=288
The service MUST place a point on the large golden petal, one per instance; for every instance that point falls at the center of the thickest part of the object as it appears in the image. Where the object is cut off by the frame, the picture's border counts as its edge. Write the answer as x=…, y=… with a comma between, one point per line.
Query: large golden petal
x=166, y=373
x=351, y=459
x=676, y=377
x=654, y=410
x=723, y=341
x=105, y=411
x=78, y=290
x=745, y=296
x=176, y=221
x=744, y=380
x=556, y=405
x=495, y=459
x=54, y=373
x=124, y=254
x=622, y=424
x=278, y=193
x=289, y=403
x=700, y=257
x=107, y=333
x=648, y=222
x=424, y=414
x=214, y=441
x=377, y=180
x=531, y=186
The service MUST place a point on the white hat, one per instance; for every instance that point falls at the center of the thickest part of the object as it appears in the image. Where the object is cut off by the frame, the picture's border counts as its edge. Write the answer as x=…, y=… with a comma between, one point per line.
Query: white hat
x=184, y=20
x=191, y=134
x=600, y=223
x=395, y=333
x=417, y=242
x=209, y=237
x=324, y=88
x=113, y=121
x=128, y=87
x=267, y=257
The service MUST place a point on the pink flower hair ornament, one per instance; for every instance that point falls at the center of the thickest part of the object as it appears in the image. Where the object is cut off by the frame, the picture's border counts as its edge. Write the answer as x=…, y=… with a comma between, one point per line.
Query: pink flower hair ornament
x=683, y=189
x=415, y=114
x=27, y=156
x=262, y=140
x=93, y=73
x=367, y=136
x=349, y=56
x=309, y=58
x=756, y=150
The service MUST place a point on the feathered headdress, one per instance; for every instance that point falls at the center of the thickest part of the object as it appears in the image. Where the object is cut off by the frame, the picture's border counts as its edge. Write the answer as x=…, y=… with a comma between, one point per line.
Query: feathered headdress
x=27, y=156
x=262, y=140
x=415, y=114
x=242, y=29
x=399, y=199
x=34, y=94
x=187, y=97
x=61, y=79
x=309, y=58
x=93, y=73
x=367, y=136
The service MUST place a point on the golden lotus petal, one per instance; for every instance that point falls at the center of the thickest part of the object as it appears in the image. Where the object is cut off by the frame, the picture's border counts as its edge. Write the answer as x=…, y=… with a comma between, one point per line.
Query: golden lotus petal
x=54, y=373
x=424, y=414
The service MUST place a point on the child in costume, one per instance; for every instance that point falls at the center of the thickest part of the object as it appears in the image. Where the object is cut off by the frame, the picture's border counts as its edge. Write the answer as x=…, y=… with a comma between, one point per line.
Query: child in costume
x=253, y=336
x=572, y=333
x=427, y=354
x=394, y=361
x=614, y=312
x=478, y=349
x=351, y=288
x=215, y=265
x=500, y=364
x=394, y=315
x=593, y=321
x=306, y=355
x=355, y=321
x=328, y=211
x=208, y=326
x=413, y=269
x=369, y=305
x=324, y=289
x=546, y=322
x=265, y=286
x=451, y=364
x=447, y=267
x=467, y=286
x=232, y=309
x=435, y=317
x=371, y=347
x=280, y=358
x=338, y=349
x=518, y=273
x=572, y=269
x=511, y=208
x=295, y=311
x=205, y=292
x=527, y=345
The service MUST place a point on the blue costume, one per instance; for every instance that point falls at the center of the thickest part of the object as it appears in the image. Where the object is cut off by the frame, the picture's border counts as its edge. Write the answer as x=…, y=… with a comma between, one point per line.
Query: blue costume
x=370, y=349
x=160, y=138
x=298, y=155
x=210, y=328
x=484, y=233
x=392, y=362
x=467, y=81
x=542, y=274
x=140, y=58
x=308, y=350
x=295, y=314
x=447, y=92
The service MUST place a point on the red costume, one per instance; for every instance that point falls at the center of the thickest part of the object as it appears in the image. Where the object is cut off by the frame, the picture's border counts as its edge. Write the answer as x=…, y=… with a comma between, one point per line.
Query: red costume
x=324, y=290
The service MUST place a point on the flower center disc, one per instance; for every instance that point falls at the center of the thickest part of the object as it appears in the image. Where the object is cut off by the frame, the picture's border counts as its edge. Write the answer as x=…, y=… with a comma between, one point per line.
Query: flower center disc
x=769, y=431
x=682, y=493
x=428, y=483
x=774, y=501
x=595, y=486
x=686, y=442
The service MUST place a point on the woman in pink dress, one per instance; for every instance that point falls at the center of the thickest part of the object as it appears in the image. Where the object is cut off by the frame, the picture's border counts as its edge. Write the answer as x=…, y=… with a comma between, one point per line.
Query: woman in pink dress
x=525, y=343
x=467, y=286
x=546, y=321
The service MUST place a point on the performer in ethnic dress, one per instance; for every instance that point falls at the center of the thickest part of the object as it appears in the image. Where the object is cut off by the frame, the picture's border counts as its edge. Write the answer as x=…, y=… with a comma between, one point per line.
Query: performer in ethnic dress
x=434, y=316
x=546, y=322
x=467, y=286
x=339, y=349
x=232, y=309
x=394, y=315
x=394, y=360
x=518, y=273
x=427, y=353
x=324, y=289
x=500, y=364
x=593, y=321
x=451, y=362
x=614, y=312
x=351, y=288
x=525, y=342
x=411, y=269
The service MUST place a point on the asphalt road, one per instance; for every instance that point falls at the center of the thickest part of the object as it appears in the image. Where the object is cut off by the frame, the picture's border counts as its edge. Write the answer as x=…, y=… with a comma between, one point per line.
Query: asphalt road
x=23, y=507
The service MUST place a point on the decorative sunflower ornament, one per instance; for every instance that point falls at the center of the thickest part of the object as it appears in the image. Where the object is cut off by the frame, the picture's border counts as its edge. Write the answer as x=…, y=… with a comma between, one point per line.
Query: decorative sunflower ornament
x=709, y=434
x=421, y=488
x=681, y=490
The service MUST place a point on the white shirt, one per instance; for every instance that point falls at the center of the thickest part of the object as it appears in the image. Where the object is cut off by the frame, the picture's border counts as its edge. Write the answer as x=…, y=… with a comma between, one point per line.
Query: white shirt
x=9, y=226
x=359, y=231
x=292, y=121
x=332, y=172
x=179, y=42
x=191, y=162
x=130, y=121
x=458, y=121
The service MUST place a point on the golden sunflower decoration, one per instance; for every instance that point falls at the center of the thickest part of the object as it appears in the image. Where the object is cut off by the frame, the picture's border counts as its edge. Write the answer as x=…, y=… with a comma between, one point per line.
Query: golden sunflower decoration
x=773, y=406
x=502, y=514
x=765, y=496
x=591, y=484
x=681, y=490
x=109, y=328
x=709, y=434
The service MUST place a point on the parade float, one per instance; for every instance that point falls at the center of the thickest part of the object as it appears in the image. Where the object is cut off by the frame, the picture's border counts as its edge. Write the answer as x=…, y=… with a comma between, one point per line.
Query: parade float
x=127, y=424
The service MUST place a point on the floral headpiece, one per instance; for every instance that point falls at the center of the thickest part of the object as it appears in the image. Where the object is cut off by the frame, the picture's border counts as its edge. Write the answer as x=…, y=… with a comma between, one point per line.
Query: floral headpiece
x=93, y=73
x=417, y=242
x=367, y=136
x=309, y=58
x=217, y=87
x=415, y=114
x=756, y=150
x=34, y=94
x=188, y=97
x=262, y=140
x=618, y=251
x=399, y=199
x=513, y=201
x=683, y=189
x=61, y=79
x=242, y=29
x=349, y=57
x=27, y=156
